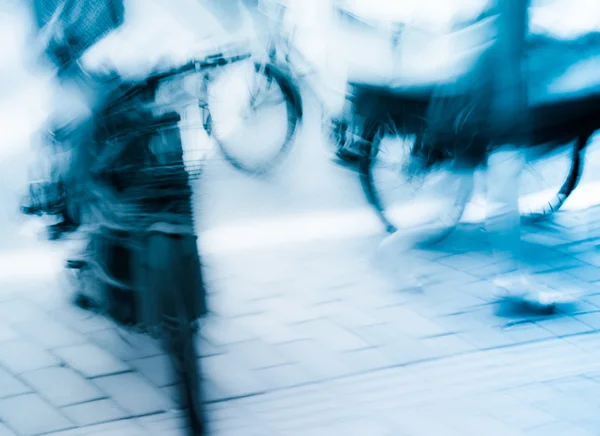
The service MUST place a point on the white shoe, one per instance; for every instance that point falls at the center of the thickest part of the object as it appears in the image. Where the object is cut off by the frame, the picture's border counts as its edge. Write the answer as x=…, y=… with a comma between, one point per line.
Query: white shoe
x=521, y=288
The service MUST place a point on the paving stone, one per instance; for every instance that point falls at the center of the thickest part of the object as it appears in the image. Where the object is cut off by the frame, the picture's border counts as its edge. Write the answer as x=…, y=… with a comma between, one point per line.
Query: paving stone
x=526, y=331
x=418, y=423
x=347, y=316
x=409, y=322
x=559, y=428
x=172, y=424
x=579, y=411
x=477, y=424
x=91, y=361
x=590, y=319
x=534, y=253
x=578, y=386
x=593, y=299
x=466, y=262
x=81, y=320
x=133, y=393
x=448, y=345
x=19, y=311
x=408, y=350
x=62, y=386
x=5, y=431
x=129, y=427
x=370, y=299
x=566, y=325
x=49, y=333
x=564, y=263
x=585, y=273
x=320, y=361
x=125, y=345
x=330, y=325
x=7, y=334
x=582, y=306
x=517, y=414
x=487, y=271
x=212, y=392
x=256, y=354
x=590, y=257
x=220, y=331
x=292, y=312
x=367, y=359
x=11, y=385
x=94, y=412
x=283, y=376
x=204, y=348
x=231, y=378
x=357, y=426
x=331, y=335
x=223, y=305
x=158, y=369
x=379, y=335
x=30, y=415
x=270, y=330
x=173, y=393
x=22, y=356
x=487, y=338
x=464, y=321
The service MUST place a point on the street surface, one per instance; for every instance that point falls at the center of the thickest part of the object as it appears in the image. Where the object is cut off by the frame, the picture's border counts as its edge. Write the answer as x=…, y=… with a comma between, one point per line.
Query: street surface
x=305, y=337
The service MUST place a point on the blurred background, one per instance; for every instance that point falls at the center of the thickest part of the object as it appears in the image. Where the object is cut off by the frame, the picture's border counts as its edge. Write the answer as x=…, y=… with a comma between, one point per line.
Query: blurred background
x=305, y=335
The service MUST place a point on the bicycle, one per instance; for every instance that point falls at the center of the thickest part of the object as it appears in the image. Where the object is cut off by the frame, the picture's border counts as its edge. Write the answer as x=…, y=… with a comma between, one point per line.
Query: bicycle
x=392, y=173
x=272, y=83
x=140, y=264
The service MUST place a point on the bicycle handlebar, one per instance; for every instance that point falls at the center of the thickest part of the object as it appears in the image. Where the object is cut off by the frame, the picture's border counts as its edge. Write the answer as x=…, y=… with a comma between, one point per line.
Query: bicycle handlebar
x=211, y=61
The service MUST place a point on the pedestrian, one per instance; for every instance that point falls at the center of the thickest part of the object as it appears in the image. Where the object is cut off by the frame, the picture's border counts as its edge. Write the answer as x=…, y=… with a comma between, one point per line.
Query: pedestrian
x=511, y=132
x=497, y=101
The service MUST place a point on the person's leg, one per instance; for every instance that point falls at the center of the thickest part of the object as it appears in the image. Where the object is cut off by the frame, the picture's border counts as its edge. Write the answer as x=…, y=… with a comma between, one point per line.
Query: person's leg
x=507, y=113
x=512, y=278
x=503, y=217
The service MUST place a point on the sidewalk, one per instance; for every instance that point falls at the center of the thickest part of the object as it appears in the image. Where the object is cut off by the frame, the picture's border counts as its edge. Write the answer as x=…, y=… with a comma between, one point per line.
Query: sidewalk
x=309, y=340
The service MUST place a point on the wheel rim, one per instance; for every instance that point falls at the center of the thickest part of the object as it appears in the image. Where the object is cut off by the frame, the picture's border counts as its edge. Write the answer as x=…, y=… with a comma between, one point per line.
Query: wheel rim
x=412, y=197
x=543, y=178
x=249, y=114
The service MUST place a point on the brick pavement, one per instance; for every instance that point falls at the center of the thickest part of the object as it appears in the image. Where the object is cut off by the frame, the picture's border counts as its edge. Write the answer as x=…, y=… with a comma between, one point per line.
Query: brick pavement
x=310, y=340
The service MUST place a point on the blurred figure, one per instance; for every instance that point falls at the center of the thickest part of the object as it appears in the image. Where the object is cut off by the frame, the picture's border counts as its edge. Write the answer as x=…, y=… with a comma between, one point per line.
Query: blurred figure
x=69, y=27
x=497, y=102
x=510, y=124
x=65, y=30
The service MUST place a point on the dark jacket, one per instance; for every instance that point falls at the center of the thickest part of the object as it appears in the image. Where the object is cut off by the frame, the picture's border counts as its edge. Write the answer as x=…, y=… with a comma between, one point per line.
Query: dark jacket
x=79, y=25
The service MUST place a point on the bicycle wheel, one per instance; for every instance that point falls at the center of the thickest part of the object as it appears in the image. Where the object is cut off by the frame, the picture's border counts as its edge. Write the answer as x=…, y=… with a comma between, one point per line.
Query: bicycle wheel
x=176, y=304
x=183, y=355
x=403, y=193
x=549, y=178
x=254, y=114
x=181, y=347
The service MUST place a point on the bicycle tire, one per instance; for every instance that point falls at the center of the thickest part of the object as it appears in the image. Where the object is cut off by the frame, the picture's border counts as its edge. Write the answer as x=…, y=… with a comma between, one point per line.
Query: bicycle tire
x=182, y=350
x=372, y=138
x=183, y=354
x=577, y=156
x=293, y=100
x=369, y=151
